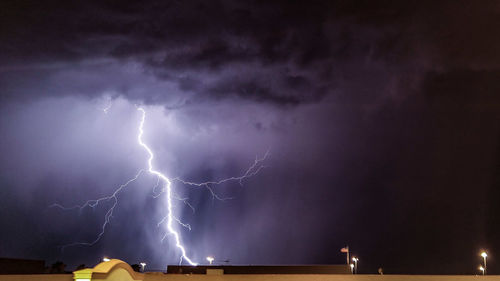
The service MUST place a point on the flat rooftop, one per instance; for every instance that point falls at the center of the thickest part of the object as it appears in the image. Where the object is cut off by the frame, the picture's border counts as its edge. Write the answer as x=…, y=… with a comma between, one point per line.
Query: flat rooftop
x=260, y=269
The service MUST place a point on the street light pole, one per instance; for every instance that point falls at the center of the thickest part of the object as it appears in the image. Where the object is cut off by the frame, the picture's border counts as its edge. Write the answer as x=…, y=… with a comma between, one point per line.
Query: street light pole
x=210, y=259
x=484, y=255
x=355, y=260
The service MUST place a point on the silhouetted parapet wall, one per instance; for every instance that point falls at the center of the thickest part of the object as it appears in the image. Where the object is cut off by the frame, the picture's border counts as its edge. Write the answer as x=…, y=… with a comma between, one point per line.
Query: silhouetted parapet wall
x=21, y=266
x=108, y=270
x=260, y=269
x=36, y=277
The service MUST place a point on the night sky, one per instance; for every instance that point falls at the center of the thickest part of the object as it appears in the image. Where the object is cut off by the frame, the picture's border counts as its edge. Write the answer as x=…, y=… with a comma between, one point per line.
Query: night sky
x=382, y=120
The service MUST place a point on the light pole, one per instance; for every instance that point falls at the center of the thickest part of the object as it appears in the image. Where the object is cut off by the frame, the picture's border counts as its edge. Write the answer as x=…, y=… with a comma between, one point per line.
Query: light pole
x=482, y=269
x=143, y=265
x=210, y=259
x=484, y=255
x=355, y=260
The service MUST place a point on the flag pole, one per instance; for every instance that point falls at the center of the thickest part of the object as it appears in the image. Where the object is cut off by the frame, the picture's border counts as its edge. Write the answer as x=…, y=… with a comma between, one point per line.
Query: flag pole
x=346, y=251
x=347, y=254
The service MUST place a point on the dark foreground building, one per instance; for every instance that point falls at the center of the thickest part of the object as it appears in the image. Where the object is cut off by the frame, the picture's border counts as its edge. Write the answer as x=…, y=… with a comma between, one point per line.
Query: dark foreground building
x=117, y=270
x=21, y=266
x=259, y=269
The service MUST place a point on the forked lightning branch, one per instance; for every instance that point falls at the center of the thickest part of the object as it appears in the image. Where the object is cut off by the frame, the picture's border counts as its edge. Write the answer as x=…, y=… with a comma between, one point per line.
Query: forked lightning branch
x=166, y=189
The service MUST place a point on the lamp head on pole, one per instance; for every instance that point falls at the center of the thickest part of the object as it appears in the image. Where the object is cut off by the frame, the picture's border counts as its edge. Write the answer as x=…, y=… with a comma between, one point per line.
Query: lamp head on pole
x=210, y=259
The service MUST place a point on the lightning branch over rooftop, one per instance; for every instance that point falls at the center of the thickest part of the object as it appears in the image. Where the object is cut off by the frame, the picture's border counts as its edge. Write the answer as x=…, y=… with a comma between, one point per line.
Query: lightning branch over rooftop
x=167, y=189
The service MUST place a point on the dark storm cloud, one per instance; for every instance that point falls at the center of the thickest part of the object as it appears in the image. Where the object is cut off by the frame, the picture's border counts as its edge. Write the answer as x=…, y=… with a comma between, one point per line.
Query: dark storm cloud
x=196, y=41
x=456, y=87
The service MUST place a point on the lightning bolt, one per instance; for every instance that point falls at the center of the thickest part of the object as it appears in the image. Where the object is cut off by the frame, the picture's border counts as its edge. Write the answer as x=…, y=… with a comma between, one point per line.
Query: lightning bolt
x=93, y=204
x=250, y=172
x=108, y=105
x=166, y=188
